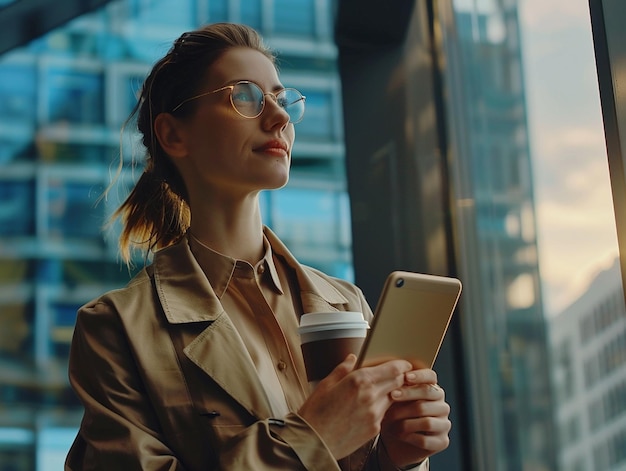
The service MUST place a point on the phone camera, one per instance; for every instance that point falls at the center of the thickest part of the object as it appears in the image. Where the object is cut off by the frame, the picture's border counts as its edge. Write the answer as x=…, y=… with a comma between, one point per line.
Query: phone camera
x=400, y=282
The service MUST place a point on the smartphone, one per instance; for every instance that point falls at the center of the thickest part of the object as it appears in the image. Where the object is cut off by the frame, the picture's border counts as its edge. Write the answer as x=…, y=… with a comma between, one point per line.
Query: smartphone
x=411, y=319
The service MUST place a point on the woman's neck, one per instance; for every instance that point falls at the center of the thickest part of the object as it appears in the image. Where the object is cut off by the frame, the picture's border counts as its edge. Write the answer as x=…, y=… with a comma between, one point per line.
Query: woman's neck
x=233, y=229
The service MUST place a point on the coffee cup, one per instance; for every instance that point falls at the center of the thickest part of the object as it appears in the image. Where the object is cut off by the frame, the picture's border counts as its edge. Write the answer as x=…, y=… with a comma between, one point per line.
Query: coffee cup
x=327, y=338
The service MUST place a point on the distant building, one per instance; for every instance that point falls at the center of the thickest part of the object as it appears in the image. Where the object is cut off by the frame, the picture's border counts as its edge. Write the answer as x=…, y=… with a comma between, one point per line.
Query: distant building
x=589, y=360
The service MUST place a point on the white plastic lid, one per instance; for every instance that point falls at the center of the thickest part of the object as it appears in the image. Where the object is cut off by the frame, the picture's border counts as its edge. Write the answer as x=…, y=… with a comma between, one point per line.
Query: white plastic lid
x=318, y=321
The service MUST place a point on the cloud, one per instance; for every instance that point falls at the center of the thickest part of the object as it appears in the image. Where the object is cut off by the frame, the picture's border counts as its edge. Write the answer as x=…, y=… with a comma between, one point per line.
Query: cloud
x=552, y=15
x=576, y=235
x=574, y=207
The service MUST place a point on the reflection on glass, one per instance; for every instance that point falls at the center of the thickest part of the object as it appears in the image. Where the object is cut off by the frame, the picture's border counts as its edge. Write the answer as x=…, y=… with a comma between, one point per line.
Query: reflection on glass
x=513, y=406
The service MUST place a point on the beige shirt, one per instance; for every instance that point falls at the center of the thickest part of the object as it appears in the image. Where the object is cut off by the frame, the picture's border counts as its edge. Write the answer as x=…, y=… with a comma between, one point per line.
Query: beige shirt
x=266, y=316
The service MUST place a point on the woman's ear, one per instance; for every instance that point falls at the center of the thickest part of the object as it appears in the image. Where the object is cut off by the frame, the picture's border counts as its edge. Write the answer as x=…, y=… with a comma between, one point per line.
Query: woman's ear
x=169, y=131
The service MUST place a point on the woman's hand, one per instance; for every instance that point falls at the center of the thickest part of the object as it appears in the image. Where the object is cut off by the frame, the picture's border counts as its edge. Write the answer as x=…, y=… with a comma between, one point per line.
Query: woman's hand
x=347, y=407
x=416, y=426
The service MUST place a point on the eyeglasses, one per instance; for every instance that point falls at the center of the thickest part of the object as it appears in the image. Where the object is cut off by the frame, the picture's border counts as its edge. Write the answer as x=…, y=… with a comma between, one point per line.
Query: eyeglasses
x=248, y=100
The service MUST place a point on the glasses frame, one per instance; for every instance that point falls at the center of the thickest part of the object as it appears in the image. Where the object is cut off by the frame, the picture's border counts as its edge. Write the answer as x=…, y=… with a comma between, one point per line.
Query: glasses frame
x=232, y=87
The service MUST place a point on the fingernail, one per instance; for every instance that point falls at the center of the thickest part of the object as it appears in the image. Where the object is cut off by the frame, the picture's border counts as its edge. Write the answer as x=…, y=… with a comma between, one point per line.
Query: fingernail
x=411, y=377
x=396, y=394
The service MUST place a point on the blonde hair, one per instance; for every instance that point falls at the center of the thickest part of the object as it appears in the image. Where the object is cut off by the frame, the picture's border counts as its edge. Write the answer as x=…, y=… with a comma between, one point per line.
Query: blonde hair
x=156, y=212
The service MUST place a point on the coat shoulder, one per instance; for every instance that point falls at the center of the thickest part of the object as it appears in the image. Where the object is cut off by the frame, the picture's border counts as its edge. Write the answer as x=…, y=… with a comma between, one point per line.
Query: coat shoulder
x=122, y=300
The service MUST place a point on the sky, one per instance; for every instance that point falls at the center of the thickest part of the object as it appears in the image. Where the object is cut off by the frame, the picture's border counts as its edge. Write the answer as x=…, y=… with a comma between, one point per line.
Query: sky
x=573, y=203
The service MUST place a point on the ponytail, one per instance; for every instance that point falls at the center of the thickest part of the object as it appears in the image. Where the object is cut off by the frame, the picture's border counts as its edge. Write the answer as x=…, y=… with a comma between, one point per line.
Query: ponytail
x=153, y=215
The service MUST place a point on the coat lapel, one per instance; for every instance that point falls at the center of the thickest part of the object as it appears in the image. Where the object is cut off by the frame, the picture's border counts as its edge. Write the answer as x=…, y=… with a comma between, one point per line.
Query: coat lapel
x=187, y=297
x=220, y=352
x=317, y=294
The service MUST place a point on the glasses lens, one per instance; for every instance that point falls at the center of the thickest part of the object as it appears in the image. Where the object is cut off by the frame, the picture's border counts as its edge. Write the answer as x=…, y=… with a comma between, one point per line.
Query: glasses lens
x=247, y=98
x=292, y=101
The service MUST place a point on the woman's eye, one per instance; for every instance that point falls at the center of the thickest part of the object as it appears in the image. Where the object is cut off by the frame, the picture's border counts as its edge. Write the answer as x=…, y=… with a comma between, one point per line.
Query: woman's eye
x=243, y=97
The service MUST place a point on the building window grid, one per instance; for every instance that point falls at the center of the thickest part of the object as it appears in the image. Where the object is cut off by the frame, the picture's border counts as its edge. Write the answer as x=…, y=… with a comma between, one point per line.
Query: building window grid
x=261, y=14
x=577, y=464
x=614, y=402
x=611, y=453
x=564, y=371
x=603, y=317
x=611, y=406
x=611, y=357
x=570, y=431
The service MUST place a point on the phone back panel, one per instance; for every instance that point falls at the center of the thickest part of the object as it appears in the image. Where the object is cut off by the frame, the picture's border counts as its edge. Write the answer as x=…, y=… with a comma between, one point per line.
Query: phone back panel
x=411, y=318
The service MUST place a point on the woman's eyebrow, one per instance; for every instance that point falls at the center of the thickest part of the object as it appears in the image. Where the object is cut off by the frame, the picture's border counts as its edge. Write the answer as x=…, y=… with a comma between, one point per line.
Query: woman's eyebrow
x=275, y=88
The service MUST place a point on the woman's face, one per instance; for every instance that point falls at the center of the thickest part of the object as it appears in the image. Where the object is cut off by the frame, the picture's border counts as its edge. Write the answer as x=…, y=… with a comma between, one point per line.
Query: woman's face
x=225, y=153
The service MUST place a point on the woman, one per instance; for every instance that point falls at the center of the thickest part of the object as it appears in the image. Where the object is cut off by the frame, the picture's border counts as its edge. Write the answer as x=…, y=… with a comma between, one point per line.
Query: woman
x=195, y=364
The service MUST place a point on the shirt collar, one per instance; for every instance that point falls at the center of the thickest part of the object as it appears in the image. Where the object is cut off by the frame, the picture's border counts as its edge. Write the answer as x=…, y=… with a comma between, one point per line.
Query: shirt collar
x=219, y=268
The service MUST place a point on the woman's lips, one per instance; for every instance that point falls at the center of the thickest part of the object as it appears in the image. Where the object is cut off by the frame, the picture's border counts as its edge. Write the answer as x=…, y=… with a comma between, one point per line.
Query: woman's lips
x=274, y=147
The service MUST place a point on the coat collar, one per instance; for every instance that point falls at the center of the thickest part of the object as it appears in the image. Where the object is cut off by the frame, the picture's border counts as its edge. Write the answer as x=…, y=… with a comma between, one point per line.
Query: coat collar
x=187, y=296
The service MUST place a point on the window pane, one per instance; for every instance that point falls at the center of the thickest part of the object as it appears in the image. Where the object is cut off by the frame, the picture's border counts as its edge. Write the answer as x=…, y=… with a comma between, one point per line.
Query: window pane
x=73, y=96
x=318, y=119
x=294, y=17
x=534, y=181
x=315, y=225
x=251, y=13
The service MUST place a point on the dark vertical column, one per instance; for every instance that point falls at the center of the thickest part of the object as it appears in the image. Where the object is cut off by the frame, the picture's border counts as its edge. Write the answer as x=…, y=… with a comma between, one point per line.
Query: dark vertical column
x=396, y=165
x=610, y=52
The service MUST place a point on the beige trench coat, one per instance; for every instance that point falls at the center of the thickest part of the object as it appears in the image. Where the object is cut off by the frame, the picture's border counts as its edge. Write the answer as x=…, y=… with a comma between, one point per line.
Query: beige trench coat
x=167, y=383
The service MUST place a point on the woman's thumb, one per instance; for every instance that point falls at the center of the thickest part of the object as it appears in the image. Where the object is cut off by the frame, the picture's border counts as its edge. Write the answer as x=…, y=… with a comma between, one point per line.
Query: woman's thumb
x=345, y=367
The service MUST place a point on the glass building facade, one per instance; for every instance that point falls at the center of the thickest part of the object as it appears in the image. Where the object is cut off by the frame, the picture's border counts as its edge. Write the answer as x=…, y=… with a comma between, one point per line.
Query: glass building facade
x=63, y=100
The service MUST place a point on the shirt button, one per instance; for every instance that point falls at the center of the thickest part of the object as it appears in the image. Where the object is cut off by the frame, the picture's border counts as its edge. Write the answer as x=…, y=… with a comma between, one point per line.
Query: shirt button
x=261, y=269
x=282, y=366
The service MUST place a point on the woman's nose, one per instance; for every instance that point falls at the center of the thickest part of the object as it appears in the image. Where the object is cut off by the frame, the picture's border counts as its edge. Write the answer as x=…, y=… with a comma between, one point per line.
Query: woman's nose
x=277, y=112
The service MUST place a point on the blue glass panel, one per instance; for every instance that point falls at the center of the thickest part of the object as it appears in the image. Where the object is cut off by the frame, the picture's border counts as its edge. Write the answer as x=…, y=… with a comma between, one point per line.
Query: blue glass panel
x=17, y=93
x=52, y=445
x=75, y=96
x=318, y=118
x=16, y=332
x=296, y=17
x=16, y=202
x=166, y=12
x=16, y=448
x=74, y=152
x=16, y=146
x=65, y=314
x=251, y=13
x=63, y=319
x=146, y=49
x=306, y=217
x=133, y=90
x=218, y=10
x=71, y=210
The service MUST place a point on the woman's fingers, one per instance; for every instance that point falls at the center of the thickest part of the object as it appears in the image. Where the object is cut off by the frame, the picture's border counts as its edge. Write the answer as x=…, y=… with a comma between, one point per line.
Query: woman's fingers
x=417, y=409
x=425, y=392
x=347, y=396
